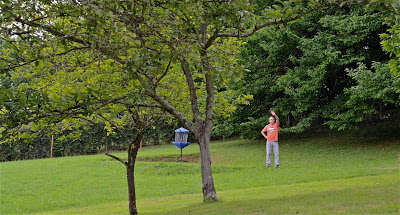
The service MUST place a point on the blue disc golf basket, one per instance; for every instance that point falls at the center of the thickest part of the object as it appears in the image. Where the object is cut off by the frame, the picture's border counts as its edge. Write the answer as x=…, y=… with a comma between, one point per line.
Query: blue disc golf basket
x=181, y=136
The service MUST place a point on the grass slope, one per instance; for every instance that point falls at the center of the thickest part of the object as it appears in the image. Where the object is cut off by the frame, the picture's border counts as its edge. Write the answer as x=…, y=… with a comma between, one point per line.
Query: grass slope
x=361, y=195
x=317, y=176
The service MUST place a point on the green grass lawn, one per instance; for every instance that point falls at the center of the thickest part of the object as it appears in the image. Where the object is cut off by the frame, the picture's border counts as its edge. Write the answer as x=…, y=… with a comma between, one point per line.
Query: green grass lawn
x=317, y=176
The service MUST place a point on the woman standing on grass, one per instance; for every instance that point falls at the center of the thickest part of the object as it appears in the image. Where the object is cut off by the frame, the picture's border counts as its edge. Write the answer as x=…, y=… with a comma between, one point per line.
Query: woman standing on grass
x=272, y=138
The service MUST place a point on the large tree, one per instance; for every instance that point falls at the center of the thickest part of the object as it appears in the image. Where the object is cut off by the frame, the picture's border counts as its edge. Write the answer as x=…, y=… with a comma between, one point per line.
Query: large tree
x=153, y=42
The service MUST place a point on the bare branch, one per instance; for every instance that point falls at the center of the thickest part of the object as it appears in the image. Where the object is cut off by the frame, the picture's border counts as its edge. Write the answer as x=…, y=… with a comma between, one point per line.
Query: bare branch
x=117, y=158
x=173, y=111
x=165, y=73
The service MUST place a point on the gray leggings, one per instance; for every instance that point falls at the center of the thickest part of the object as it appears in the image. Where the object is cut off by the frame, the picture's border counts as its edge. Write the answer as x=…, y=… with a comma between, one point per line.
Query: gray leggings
x=270, y=146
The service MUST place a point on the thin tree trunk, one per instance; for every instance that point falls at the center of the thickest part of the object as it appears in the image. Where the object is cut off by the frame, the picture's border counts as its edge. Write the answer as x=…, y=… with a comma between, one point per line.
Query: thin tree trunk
x=130, y=171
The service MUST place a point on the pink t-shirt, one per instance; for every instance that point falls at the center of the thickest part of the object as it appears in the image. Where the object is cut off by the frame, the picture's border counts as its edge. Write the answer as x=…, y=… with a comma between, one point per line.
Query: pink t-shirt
x=272, y=132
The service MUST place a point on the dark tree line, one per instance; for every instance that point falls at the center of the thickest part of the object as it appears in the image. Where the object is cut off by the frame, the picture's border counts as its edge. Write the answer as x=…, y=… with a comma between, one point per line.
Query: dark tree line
x=327, y=69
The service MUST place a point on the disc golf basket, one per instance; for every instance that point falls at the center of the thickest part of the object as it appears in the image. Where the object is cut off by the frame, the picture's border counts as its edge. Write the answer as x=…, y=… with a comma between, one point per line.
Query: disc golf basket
x=181, y=136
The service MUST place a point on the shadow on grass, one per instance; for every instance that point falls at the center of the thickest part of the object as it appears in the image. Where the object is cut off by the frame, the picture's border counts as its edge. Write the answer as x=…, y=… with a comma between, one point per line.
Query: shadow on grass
x=188, y=158
x=380, y=199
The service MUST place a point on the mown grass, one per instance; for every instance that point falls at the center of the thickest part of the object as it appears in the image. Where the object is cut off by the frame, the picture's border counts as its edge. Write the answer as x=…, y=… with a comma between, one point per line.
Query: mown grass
x=319, y=175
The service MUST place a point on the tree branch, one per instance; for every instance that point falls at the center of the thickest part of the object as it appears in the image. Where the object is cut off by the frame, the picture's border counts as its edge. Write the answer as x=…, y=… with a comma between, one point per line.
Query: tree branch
x=173, y=111
x=164, y=73
x=258, y=27
x=34, y=60
x=192, y=90
x=118, y=159
x=130, y=104
x=69, y=37
x=53, y=31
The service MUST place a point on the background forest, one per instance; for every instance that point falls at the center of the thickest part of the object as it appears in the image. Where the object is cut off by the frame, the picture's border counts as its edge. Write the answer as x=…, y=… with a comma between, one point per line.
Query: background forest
x=334, y=70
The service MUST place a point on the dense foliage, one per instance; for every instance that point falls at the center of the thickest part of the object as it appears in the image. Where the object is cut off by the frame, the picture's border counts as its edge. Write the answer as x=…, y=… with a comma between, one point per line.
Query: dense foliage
x=328, y=68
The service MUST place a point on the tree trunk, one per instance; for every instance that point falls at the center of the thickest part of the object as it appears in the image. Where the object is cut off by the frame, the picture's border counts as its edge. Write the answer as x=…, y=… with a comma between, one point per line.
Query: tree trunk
x=209, y=192
x=131, y=189
x=130, y=171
